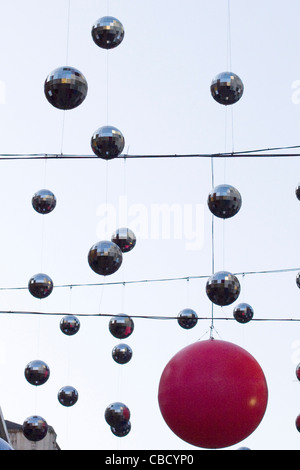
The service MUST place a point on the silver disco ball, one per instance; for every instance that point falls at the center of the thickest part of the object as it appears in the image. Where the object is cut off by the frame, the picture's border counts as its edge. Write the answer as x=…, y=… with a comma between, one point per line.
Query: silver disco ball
x=108, y=32
x=124, y=238
x=224, y=201
x=122, y=353
x=121, y=326
x=43, y=201
x=35, y=428
x=105, y=258
x=243, y=313
x=117, y=414
x=69, y=325
x=297, y=191
x=67, y=396
x=223, y=288
x=227, y=88
x=187, y=318
x=65, y=88
x=40, y=286
x=107, y=142
x=37, y=372
x=121, y=431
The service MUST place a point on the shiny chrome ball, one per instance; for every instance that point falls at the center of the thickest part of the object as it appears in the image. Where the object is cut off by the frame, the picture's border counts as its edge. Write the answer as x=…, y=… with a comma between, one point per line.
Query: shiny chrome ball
x=121, y=326
x=243, y=313
x=107, y=142
x=69, y=325
x=117, y=414
x=37, y=372
x=223, y=288
x=297, y=191
x=67, y=396
x=65, y=88
x=108, y=32
x=121, y=431
x=35, y=428
x=187, y=318
x=224, y=201
x=227, y=88
x=40, y=286
x=298, y=280
x=105, y=258
x=124, y=238
x=43, y=201
x=122, y=353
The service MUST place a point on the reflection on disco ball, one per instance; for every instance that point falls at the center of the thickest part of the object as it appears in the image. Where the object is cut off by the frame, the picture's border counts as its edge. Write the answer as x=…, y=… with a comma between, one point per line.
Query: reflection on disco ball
x=65, y=88
x=224, y=201
x=298, y=280
x=43, y=201
x=223, y=288
x=121, y=431
x=105, y=258
x=107, y=142
x=40, y=286
x=121, y=326
x=243, y=313
x=35, y=428
x=37, y=372
x=124, y=238
x=122, y=353
x=187, y=318
x=227, y=88
x=298, y=371
x=108, y=32
x=67, y=396
x=69, y=325
x=117, y=414
x=298, y=191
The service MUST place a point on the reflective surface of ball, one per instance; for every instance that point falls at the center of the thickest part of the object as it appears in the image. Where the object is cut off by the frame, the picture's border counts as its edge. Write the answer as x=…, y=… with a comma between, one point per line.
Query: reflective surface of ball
x=67, y=396
x=69, y=325
x=121, y=431
x=43, y=201
x=227, y=88
x=297, y=423
x=298, y=371
x=40, y=286
x=105, y=258
x=297, y=191
x=224, y=201
x=187, y=318
x=122, y=353
x=124, y=238
x=121, y=326
x=298, y=280
x=37, y=372
x=35, y=428
x=107, y=142
x=108, y=32
x=117, y=414
x=223, y=288
x=4, y=445
x=243, y=313
x=65, y=88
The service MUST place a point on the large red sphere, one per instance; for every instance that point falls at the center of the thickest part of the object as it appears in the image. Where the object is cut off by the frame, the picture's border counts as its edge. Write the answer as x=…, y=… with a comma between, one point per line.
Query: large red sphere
x=213, y=394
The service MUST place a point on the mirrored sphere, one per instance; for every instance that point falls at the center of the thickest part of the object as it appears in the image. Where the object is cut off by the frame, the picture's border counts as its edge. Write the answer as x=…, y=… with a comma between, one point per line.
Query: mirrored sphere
x=35, y=428
x=5, y=445
x=223, y=288
x=298, y=280
x=297, y=423
x=227, y=88
x=121, y=326
x=37, y=372
x=243, y=313
x=43, y=201
x=117, y=414
x=224, y=201
x=108, y=32
x=65, y=88
x=298, y=191
x=187, y=318
x=124, y=238
x=107, y=142
x=40, y=285
x=122, y=353
x=69, y=325
x=121, y=431
x=67, y=396
x=105, y=258
x=298, y=371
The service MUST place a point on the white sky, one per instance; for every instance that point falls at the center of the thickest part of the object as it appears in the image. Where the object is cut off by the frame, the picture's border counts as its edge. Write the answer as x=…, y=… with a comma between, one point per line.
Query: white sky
x=158, y=92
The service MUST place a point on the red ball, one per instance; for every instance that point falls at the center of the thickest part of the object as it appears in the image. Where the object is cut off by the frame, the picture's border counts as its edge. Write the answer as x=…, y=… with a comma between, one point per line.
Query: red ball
x=213, y=394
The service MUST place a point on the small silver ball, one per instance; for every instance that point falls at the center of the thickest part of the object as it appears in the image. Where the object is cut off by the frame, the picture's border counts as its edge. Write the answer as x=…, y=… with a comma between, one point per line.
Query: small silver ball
x=117, y=414
x=40, y=286
x=122, y=353
x=107, y=142
x=108, y=32
x=35, y=428
x=121, y=431
x=121, y=326
x=243, y=313
x=224, y=201
x=37, y=372
x=69, y=325
x=223, y=288
x=67, y=396
x=187, y=318
x=227, y=88
x=297, y=191
x=65, y=88
x=105, y=258
x=125, y=239
x=43, y=201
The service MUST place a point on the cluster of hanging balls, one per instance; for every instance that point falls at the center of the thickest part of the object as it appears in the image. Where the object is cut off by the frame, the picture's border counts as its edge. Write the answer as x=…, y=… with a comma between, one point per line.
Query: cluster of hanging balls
x=66, y=88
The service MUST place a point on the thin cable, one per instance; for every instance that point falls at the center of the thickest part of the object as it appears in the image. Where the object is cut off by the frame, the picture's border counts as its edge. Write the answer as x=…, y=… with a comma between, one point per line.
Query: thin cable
x=212, y=248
